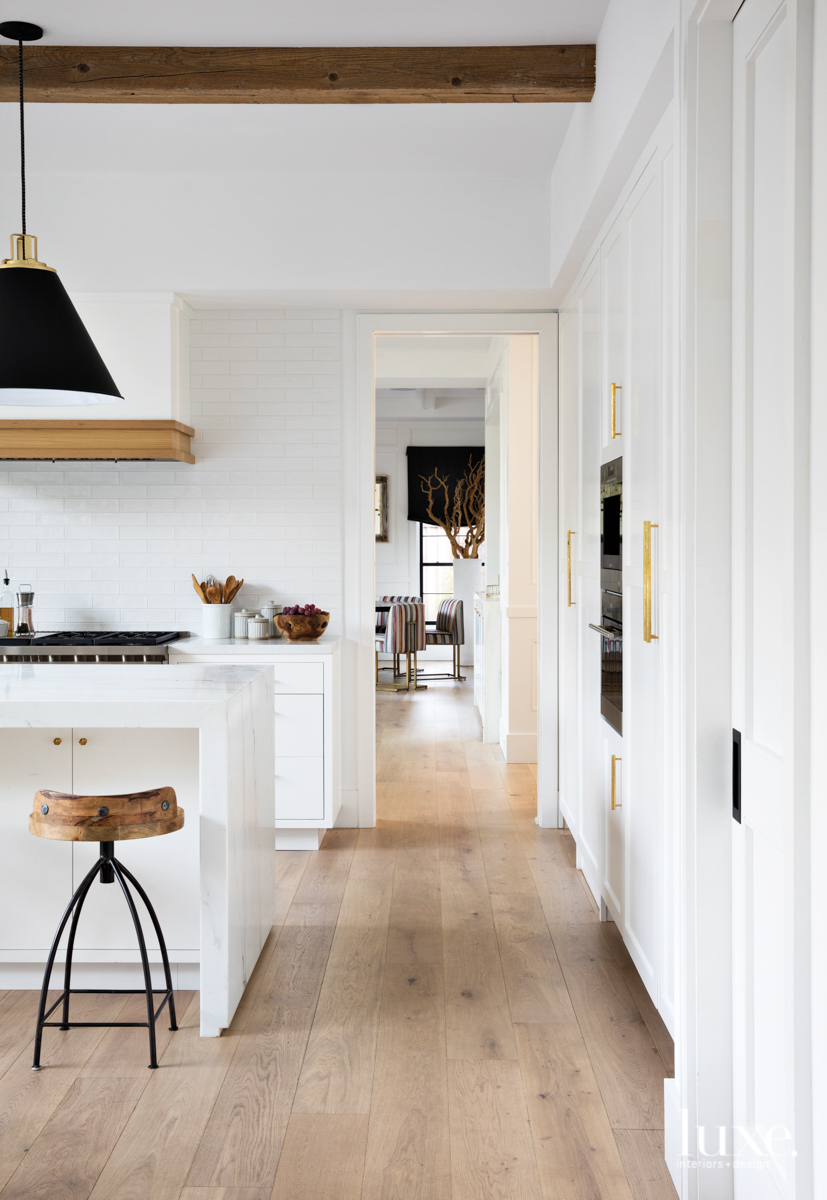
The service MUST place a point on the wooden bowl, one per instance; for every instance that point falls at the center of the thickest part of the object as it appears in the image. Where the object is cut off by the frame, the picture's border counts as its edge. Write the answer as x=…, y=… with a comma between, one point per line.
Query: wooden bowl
x=303, y=629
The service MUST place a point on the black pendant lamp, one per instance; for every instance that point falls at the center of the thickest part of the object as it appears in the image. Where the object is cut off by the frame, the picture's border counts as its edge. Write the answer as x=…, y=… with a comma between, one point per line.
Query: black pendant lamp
x=48, y=356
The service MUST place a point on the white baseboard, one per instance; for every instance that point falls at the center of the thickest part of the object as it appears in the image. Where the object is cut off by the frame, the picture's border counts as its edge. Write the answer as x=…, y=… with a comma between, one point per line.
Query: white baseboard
x=299, y=839
x=28, y=976
x=519, y=747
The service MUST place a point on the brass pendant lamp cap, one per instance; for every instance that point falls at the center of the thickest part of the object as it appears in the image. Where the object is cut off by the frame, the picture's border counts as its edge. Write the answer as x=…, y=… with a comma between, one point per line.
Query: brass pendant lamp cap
x=23, y=253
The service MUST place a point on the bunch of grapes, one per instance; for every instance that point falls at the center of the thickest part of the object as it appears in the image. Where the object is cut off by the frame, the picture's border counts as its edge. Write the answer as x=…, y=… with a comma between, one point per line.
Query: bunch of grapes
x=298, y=610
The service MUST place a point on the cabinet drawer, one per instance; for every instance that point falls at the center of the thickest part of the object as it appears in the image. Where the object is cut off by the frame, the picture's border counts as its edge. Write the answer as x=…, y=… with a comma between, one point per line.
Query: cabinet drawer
x=299, y=789
x=299, y=726
x=289, y=677
x=296, y=677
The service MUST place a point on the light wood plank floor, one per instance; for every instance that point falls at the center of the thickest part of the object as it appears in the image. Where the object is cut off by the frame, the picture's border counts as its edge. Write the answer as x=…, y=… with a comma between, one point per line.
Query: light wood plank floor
x=437, y=1015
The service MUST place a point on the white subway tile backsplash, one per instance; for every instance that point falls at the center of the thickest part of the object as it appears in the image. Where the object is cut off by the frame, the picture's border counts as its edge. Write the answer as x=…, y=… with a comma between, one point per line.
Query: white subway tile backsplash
x=113, y=545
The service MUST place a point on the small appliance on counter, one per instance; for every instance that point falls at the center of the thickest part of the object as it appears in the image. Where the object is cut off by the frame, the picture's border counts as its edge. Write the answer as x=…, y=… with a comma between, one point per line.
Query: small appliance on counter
x=24, y=618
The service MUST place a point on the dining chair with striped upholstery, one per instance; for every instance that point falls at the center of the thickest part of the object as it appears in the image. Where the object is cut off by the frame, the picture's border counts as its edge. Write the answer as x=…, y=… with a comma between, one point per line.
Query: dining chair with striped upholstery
x=380, y=620
x=404, y=634
x=449, y=631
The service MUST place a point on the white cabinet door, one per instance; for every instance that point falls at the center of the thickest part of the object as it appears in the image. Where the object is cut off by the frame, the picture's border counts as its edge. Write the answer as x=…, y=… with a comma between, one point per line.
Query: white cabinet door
x=642, y=502
x=299, y=726
x=299, y=789
x=299, y=758
x=132, y=760
x=613, y=272
x=614, y=877
x=764, y=609
x=36, y=884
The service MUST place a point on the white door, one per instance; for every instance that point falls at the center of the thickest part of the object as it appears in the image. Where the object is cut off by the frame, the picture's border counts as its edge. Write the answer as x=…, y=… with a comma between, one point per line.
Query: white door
x=762, y=618
x=645, y=398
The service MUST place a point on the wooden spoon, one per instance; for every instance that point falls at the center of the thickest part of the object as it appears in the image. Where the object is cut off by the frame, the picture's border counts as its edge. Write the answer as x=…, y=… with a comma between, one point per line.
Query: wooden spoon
x=214, y=595
x=236, y=588
x=200, y=590
x=228, y=587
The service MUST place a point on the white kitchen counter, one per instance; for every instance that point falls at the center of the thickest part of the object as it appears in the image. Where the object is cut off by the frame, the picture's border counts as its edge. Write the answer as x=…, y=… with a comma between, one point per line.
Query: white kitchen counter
x=243, y=646
x=230, y=707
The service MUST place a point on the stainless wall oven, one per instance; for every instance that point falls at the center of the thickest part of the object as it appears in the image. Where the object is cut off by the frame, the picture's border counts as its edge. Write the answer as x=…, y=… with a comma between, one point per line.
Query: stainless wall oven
x=611, y=593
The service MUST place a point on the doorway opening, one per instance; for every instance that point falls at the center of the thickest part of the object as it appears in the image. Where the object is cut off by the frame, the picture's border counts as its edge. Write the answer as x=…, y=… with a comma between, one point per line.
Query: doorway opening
x=456, y=536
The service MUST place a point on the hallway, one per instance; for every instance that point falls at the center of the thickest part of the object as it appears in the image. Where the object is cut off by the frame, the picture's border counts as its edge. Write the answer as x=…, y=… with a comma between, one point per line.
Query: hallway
x=438, y=1015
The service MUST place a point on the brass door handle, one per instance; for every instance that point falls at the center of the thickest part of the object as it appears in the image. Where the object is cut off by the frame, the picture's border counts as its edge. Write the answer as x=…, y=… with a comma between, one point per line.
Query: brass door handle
x=616, y=387
x=57, y=741
x=648, y=636
x=615, y=761
x=81, y=741
x=568, y=543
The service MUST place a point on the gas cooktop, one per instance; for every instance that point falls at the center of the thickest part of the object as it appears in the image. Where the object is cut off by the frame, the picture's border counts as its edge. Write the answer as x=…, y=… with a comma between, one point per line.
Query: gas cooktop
x=89, y=637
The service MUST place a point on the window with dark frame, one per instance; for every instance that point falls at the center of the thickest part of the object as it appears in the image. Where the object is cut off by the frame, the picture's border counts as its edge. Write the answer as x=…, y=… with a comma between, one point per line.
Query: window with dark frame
x=436, y=569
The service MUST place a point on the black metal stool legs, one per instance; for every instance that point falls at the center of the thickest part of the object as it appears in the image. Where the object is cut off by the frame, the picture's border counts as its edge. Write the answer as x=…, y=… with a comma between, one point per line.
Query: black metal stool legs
x=162, y=944
x=79, y=896
x=109, y=869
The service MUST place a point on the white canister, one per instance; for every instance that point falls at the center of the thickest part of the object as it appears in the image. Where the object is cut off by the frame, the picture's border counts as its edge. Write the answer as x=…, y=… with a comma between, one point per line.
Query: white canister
x=240, y=622
x=4, y=629
x=270, y=610
x=216, y=621
x=257, y=629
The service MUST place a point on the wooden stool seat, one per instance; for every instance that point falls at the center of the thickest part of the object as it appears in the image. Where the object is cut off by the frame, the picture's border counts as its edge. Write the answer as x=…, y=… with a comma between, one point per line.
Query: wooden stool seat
x=67, y=818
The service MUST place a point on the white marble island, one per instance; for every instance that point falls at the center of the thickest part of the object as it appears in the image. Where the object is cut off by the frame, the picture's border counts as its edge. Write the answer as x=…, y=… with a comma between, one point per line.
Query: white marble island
x=205, y=730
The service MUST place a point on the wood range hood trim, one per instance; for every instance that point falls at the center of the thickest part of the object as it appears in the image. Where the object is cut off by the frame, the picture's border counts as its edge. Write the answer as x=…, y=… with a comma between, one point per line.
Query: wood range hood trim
x=122, y=441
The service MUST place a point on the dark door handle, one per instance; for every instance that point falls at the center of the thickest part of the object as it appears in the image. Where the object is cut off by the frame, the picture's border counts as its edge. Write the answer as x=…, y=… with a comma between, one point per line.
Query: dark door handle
x=736, y=775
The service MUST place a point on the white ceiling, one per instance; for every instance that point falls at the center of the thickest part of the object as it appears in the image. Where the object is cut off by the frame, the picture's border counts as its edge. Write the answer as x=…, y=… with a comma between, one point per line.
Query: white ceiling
x=310, y=22
x=377, y=139
x=424, y=404
x=439, y=140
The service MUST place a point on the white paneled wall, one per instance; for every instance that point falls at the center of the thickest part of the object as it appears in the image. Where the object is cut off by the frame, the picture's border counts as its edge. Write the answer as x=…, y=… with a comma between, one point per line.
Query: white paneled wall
x=112, y=545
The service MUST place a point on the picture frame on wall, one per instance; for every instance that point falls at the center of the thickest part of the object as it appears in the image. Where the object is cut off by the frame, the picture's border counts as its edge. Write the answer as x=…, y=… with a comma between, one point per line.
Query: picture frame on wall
x=380, y=506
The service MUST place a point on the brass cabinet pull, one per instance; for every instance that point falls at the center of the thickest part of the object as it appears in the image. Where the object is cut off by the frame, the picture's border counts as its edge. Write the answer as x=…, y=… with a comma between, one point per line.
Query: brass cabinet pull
x=615, y=761
x=81, y=741
x=57, y=741
x=568, y=541
x=648, y=636
x=616, y=387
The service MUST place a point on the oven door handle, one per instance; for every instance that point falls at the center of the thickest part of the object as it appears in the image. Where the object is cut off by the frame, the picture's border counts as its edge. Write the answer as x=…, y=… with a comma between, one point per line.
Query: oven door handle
x=607, y=633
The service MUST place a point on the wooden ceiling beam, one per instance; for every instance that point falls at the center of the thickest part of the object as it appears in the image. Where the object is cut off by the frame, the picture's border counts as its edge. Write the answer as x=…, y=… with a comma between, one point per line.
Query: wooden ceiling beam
x=269, y=75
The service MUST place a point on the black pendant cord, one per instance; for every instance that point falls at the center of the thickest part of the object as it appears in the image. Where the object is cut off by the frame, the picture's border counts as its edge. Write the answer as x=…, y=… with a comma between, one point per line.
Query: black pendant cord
x=22, y=149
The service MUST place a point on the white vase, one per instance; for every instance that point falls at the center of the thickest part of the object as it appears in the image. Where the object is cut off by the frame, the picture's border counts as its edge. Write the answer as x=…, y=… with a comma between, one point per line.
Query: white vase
x=467, y=580
x=217, y=620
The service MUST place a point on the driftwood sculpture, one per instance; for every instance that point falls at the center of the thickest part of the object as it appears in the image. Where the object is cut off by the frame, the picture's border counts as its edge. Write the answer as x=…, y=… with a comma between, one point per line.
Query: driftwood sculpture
x=464, y=511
